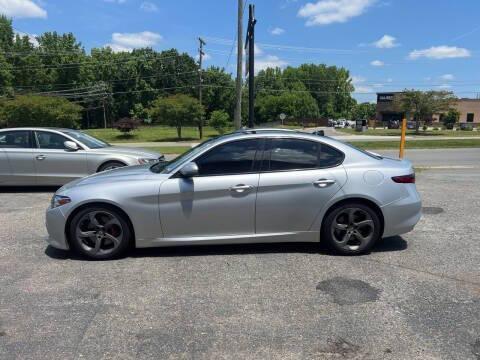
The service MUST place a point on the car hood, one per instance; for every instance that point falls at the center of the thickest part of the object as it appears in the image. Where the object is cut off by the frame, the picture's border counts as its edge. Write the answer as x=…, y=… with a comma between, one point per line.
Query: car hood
x=124, y=174
x=124, y=150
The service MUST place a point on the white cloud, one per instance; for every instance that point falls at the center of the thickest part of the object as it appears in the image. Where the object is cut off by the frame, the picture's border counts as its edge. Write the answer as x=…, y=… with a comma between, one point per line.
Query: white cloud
x=269, y=61
x=325, y=12
x=119, y=48
x=277, y=31
x=444, y=86
x=148, y=6
x=21, y=9
x=440, y=52
x=357, y=82
x=389, y=80
x=386, y=42
x=130, y=41
x=31, y=37
x=206, y=57
x=116, y=1
x=447, y=77
x=377, y=63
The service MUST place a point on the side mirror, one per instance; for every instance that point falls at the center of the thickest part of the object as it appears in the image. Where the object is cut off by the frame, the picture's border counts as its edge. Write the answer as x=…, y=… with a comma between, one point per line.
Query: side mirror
x=189, y=170
x=70, y=146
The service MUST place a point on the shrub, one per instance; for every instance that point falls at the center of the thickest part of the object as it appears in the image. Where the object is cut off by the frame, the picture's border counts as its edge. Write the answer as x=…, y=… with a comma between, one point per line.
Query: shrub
x=219, y=120
x=126, y=125
x=29, y=110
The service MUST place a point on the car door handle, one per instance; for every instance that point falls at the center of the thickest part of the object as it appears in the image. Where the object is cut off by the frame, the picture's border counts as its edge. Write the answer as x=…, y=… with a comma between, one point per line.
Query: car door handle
x=323, y=183
x=40, y=157
x=241, y=188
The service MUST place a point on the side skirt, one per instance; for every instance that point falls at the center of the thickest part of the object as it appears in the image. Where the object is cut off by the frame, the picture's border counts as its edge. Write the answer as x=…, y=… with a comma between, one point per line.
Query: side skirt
x=304, y=236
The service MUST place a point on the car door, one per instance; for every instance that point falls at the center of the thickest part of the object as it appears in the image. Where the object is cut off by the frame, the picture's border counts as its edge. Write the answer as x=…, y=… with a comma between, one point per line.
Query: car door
x=220, y=201
x=298, y=178
x=54, y=164
x=16, y=158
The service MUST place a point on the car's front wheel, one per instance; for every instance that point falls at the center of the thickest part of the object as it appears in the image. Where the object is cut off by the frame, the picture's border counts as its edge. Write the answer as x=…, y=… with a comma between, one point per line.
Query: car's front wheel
x=111, y=165
x=100, y=232
x=351, y=229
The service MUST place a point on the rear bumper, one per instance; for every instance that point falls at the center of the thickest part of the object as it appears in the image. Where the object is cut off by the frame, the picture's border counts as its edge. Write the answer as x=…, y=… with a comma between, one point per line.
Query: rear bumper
x=55, y=222
x=402, y=215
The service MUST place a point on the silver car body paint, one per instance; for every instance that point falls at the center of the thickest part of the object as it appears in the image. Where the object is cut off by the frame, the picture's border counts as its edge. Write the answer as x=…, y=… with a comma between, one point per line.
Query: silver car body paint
x=35, y=166
x=168, y=210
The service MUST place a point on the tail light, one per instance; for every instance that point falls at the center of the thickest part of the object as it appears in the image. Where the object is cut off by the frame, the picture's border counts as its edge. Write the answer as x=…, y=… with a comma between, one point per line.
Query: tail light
x=404, y=179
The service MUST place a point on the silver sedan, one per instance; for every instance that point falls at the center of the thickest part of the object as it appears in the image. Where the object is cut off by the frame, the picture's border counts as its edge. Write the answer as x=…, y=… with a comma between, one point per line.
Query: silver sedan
x=47, y=156
x=247, y=187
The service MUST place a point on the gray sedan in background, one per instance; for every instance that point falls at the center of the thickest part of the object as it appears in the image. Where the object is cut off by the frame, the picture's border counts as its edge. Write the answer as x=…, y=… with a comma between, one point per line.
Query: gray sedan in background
x=51, y=156
x=253, y=186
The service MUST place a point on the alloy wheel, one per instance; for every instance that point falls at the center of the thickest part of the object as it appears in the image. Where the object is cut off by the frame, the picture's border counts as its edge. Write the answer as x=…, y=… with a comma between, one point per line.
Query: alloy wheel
x=352, y=228
x=99, y=233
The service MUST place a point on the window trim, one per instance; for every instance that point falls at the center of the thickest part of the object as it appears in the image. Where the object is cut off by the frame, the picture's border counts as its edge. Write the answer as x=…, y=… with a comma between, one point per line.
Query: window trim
x=319, y=144
x=30, y=140
x=255, y=167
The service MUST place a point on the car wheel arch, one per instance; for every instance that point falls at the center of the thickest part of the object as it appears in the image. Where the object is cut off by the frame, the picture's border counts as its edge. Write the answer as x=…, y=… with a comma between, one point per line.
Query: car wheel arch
x=358, y=200
x=107, y=205
x=110, y=161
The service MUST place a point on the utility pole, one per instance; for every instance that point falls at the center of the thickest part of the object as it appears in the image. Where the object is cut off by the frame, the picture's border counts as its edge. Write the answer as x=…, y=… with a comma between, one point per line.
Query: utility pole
x=104, y=115
x=251, y=65
x=238, y=109
x=200, y=82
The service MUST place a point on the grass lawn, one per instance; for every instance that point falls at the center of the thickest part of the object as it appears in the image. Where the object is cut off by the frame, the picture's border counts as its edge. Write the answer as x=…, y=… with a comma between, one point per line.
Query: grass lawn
x=419, y=144
x=151, y=134
x=169, y=150
x=397, y=132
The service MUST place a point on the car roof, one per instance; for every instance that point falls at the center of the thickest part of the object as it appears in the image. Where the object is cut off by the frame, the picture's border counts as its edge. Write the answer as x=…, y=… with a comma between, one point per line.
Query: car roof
x=31, y=128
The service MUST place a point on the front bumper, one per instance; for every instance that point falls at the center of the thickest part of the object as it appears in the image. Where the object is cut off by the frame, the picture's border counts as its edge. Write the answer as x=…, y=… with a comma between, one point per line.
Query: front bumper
x=402, y=215
x=55, y=221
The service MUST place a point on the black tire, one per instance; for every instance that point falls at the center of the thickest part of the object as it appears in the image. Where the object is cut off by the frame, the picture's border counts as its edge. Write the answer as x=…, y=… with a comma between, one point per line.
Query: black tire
x=110, y=165
x=337, y=224
x=119, y=227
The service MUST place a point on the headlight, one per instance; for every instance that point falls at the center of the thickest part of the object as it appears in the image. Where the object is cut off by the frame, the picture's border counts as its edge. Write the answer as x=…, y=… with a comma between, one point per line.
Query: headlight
x=147, y=161
x=59, y=200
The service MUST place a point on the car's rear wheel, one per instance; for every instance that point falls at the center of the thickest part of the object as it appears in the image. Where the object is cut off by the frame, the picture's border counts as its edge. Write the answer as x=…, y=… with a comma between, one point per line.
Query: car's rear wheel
x=111, y=165
x=351, y=229
x=100, y=233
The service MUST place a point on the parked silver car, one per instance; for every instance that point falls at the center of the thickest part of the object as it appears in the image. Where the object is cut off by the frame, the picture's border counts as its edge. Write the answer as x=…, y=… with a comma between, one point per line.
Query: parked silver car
x=246, y=187
x=47, y=156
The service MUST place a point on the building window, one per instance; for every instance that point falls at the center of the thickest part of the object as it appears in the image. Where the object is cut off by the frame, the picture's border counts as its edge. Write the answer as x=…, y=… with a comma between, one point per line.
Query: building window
x=470, y=117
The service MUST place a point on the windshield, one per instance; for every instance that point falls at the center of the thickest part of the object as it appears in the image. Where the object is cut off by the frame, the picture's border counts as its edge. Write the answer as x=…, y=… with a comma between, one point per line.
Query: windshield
x=167, y=167
x=90, y=141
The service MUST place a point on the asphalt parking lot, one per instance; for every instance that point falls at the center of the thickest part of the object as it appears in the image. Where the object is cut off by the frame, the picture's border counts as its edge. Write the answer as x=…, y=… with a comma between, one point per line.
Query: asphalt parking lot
x=413, y=297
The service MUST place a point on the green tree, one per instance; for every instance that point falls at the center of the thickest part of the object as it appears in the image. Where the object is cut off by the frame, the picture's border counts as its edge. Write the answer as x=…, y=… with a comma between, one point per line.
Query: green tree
x=364, y=111
x=296, y=105
x=40, y=111
x=421, y=105
x=220, y=121
x=219, y=91
x=451, y=118
x=176, y=110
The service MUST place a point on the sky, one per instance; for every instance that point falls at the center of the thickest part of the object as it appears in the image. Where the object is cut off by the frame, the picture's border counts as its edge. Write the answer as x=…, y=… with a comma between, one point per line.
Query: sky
x=387, y=45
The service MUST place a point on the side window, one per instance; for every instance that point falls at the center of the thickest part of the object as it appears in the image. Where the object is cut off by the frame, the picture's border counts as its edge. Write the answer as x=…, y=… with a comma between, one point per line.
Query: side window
x=329, y=156
x=15, y=139
x=298, y=154
x=236, y=157
x=293, y=154
x=48, y=140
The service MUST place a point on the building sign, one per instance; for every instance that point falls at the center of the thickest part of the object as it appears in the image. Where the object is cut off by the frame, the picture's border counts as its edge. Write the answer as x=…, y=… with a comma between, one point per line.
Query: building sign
x=385, y=98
